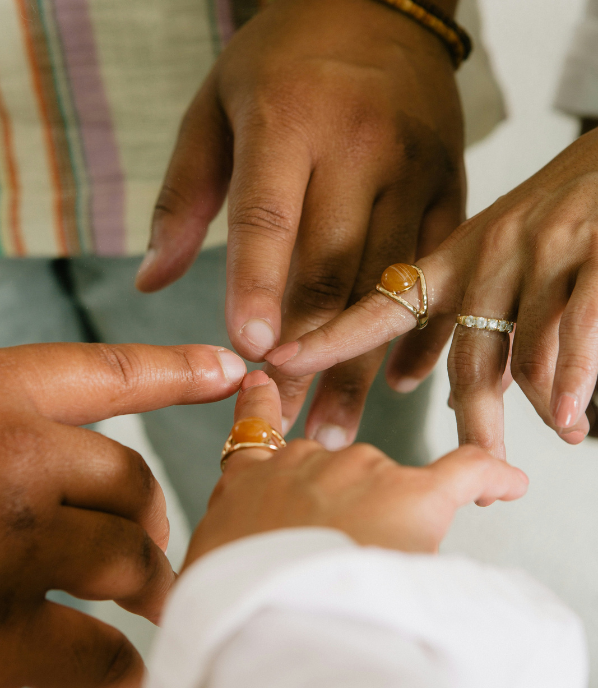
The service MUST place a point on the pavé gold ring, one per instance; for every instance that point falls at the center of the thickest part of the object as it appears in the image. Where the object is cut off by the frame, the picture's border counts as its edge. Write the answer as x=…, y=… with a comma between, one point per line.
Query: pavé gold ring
x=251, y=433
x=402, y=277
x=490, y=324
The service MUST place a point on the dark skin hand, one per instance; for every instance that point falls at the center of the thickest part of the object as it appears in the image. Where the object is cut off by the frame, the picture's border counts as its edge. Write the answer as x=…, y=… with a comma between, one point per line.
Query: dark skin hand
x=80, y=512
x=335, y=127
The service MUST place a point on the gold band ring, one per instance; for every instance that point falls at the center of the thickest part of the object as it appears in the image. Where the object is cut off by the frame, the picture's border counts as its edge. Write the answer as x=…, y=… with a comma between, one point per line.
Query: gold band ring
x=251, y=433
x=402, y=277
x=490, y=324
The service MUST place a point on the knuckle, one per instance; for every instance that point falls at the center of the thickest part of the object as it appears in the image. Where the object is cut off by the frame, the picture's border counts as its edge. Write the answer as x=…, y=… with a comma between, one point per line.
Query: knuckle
x=350, y=389
x=583, y=365
x=257, y=286
x=194, y=376
x=365, y=128
x=171, y=201
x=533, y=369
x=369, y=455
x=293, y=389
x=118, y=658
x=22, y=446
x=149, y=561
x=583, y=321
x=146, y=563
x=323, y=289
x=140, y=474
x=469, y=366
x=263, y=218
x=122, y=363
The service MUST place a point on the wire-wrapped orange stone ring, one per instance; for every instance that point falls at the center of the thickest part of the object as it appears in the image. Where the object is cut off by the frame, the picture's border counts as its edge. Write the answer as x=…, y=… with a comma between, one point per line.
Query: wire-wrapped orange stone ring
x=402, y=277
x=251, y=433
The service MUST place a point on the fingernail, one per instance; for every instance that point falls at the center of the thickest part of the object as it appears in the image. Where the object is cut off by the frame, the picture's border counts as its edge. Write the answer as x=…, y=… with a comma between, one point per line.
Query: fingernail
x=332, y=437
x=567, y=411
x=259, y=333
x=233, y=366
x=287, y=424
x=406, y=385
x=147, y=262
x=283, y=354
x=257, y=378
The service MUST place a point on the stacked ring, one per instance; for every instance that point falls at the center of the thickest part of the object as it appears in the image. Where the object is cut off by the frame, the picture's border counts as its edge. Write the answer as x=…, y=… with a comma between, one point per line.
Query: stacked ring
x=251, y=433
x=402, y=277
x=490, y=324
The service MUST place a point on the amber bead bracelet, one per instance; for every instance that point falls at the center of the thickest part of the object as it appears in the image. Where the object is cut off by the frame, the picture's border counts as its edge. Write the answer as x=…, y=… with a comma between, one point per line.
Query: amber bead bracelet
x=431, y=17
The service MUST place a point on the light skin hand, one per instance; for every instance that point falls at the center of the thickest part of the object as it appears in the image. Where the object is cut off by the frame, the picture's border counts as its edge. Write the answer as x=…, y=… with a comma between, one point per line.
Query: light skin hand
x=80, y=512
x=530, y=257
x=337, y=129
x=358, y=490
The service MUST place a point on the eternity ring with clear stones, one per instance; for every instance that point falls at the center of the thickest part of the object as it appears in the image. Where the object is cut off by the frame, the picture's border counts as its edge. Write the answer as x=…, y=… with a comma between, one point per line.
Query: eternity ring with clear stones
x=491, y=324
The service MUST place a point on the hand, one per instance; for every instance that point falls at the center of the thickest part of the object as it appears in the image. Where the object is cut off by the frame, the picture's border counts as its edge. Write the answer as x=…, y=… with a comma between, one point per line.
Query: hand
x=339, y=128
x=357, y=490
x=533, y=257
x=80, y=512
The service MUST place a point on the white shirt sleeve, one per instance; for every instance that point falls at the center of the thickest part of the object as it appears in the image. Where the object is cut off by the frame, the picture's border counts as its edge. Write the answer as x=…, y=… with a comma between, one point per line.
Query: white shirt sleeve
x=308, y=608
x=578, y=88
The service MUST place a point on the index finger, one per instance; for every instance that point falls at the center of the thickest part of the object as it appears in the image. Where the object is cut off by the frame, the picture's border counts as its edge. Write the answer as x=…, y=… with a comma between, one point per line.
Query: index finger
x=268, y=185
x=371, y=322
x=84, y=383
x=470, y=474
x=258, y=398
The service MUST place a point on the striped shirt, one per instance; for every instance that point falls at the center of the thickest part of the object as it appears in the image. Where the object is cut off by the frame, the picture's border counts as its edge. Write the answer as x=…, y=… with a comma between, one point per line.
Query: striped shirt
x=91, y=96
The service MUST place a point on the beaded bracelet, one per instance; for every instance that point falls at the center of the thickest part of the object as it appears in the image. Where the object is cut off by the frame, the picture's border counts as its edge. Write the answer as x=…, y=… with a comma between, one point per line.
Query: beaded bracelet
x=455, y=38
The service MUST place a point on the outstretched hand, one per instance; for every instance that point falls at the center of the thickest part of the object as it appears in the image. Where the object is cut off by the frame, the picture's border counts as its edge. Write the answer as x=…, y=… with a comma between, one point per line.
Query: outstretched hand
x=80, y=512
x=358, y=490
x=531, y=257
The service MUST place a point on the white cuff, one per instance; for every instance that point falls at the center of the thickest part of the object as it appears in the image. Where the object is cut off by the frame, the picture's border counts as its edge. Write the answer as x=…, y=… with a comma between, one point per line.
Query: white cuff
x=484, y=625
x=212, y=599
x=578, y=87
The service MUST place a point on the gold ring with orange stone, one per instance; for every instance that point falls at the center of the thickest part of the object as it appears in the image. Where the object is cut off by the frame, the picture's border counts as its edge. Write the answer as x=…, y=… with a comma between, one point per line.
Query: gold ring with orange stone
x=402, y=277
x=251, y=433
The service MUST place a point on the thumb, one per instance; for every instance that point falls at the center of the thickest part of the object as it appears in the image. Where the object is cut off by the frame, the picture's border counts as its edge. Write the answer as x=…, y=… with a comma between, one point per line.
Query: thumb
x=192, y=193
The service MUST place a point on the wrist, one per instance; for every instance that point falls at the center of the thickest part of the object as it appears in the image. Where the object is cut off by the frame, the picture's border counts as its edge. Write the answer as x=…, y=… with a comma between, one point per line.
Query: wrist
x=447, y=6
x=432, y=17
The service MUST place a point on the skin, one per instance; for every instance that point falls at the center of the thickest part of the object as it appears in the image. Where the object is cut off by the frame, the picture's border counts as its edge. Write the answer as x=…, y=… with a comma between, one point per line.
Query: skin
x=358, y=490
x=336, y=129
x=80, y=512
x=587, y=124
x=531, y=257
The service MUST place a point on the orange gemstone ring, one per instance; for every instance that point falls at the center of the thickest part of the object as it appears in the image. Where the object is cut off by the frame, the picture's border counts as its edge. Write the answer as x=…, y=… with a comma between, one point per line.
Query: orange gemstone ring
x=251, y=433
x=402, y=277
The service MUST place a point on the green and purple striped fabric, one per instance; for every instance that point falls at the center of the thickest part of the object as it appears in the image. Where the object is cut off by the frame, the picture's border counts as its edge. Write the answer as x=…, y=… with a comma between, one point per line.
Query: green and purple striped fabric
x=91, y=96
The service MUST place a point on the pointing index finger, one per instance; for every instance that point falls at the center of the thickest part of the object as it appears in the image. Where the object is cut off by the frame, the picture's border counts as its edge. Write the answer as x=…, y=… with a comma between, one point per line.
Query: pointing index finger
x=268, y=185
x=84, y=383
x=368, y=324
